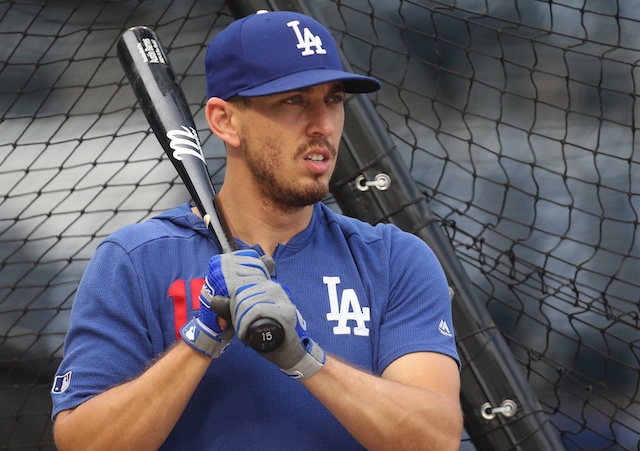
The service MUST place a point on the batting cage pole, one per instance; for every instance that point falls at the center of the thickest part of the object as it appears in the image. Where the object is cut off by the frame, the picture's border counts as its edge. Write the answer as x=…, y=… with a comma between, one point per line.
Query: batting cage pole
x=372, y=183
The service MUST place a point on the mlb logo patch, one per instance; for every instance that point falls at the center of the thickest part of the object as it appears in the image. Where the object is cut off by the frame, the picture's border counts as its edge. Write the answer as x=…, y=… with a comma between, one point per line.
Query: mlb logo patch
x=61, y=383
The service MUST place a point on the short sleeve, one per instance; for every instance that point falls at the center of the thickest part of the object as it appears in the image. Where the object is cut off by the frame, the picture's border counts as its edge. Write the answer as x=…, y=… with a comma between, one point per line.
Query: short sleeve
x=418, y=314
x=107, y=342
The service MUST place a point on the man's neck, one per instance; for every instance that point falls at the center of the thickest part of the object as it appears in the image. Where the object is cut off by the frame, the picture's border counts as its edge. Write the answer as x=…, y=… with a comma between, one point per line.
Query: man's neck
x=257, y=222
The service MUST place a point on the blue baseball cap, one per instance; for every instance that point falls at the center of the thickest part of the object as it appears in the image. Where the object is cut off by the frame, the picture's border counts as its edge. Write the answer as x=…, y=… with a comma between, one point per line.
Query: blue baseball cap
x=274, y=52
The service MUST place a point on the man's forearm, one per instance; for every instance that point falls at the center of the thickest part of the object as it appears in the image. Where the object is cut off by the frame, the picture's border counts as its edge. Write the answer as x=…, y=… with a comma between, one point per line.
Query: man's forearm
x=138, y=414
x=384, y=414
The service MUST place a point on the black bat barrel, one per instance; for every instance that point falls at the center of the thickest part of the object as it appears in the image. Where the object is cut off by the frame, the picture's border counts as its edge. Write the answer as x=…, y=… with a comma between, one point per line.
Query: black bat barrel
x=167, y=111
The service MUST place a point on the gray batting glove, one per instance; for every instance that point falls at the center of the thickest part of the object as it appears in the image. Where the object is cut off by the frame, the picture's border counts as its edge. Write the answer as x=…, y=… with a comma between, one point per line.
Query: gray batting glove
x=298, y=356
x=227, y=272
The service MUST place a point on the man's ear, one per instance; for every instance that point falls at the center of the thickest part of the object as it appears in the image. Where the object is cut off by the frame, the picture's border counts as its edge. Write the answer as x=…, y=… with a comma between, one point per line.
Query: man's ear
x=219, y=115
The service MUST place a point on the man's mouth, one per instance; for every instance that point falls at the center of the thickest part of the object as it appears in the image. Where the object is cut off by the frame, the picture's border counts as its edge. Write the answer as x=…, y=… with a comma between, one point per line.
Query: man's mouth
x=318, y=161
x=315, y=157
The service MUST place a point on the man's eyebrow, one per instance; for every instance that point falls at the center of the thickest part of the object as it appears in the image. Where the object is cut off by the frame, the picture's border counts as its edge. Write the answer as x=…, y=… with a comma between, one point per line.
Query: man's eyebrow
x=335, y=87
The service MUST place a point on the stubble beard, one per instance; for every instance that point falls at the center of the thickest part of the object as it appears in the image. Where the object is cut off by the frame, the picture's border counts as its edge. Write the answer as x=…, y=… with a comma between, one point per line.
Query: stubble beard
x=266, y=162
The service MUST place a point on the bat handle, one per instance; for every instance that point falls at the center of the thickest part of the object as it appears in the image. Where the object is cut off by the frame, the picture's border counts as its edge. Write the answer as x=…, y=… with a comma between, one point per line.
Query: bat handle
x=265, y=335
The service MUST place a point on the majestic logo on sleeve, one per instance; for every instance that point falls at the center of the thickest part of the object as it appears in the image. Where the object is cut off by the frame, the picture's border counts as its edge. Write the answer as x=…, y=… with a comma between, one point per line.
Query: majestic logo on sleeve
x=61, y=383
x=444, y=328
x=348, y=309
x=307, y=41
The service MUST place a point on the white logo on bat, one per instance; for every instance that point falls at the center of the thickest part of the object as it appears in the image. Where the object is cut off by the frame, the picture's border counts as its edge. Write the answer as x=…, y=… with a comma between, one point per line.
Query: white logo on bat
x=185, y=142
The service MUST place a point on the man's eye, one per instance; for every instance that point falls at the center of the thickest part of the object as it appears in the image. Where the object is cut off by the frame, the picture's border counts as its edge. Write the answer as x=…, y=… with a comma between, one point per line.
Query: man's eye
x=293, y=100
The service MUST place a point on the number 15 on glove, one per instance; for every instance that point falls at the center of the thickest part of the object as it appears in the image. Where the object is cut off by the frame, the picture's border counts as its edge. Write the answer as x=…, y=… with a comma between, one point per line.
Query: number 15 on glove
x=298, y=356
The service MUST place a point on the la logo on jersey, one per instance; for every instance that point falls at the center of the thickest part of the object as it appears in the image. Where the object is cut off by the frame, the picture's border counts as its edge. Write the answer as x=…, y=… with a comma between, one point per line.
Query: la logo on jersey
x=307, y=41
x=348, y=309
x=61, y=383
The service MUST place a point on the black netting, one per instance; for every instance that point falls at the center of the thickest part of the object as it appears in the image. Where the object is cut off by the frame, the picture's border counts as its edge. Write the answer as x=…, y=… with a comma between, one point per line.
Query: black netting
x=517, y=119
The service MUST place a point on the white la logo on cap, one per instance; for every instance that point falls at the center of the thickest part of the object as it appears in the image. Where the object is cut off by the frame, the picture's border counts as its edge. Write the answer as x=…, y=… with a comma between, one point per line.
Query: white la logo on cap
x=309, y=40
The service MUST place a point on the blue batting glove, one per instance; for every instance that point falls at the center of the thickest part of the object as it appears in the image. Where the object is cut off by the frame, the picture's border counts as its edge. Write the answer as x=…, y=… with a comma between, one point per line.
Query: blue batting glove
x=203, y=333
x=225, y=273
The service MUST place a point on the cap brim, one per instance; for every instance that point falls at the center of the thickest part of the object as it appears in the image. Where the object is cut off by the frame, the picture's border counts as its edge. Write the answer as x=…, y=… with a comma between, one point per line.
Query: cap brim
x=353, y=83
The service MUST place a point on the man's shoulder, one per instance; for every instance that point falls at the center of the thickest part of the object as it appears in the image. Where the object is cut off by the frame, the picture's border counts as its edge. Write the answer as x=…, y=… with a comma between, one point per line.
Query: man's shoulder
x=178, y=222
x=363, y=230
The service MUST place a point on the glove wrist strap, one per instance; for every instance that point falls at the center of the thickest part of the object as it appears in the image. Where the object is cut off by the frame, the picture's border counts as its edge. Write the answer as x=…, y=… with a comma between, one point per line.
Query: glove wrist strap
x=203, y=339
x=310, y=364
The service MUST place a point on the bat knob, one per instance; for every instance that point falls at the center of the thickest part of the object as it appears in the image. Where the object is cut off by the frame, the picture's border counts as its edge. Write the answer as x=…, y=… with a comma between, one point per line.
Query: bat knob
x=265, y=335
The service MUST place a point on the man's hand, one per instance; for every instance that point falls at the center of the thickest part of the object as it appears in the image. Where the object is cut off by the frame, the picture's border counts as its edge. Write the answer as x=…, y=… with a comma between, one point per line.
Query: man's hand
x=204, y=333
x=225, y=273
x=298, y=356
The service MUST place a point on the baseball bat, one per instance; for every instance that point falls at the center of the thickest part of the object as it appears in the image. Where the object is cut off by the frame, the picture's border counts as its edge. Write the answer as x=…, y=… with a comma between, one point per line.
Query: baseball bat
x=160, y=95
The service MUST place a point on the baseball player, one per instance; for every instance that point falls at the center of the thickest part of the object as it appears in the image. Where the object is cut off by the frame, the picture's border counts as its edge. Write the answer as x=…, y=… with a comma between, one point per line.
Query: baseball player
x=369, y=357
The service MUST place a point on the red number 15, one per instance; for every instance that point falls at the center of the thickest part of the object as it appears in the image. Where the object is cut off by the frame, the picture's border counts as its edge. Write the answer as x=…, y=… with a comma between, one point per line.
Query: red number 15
x=178, y=291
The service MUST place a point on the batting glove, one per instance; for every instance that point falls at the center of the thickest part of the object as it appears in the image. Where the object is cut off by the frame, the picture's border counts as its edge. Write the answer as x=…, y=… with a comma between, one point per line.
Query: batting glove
x=298, y=356
x=204, y=334
x=225, y=273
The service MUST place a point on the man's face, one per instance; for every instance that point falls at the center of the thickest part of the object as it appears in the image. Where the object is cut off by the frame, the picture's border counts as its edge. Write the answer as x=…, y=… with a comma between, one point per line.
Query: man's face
x=290, y=143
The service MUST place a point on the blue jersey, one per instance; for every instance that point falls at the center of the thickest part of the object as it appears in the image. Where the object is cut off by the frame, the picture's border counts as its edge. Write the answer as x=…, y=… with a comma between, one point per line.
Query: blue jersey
x=368, y=295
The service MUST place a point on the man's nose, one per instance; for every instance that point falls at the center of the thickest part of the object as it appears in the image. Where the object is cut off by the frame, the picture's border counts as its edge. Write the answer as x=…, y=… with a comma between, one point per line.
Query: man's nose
x=320, y=120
